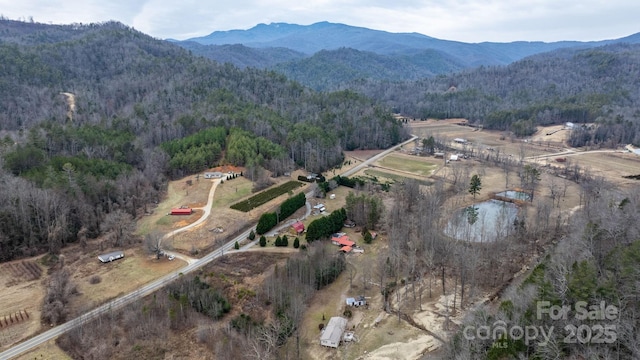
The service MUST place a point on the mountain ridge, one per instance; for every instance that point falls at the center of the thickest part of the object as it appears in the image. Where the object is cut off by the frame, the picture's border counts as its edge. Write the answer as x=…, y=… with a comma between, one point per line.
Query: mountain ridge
x=294, y=51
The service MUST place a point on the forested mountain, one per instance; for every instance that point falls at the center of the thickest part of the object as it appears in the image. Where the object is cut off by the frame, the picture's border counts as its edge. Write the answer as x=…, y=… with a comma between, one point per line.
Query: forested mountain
x=325, y=55
x=310, y=39
x=329, y=69
x=243, y=56
x=87, y=111
x=578, y=85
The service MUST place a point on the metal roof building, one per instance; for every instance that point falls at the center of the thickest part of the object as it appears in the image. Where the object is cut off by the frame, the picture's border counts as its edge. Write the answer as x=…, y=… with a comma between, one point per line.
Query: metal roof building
x=332, y=333
x=111, y=256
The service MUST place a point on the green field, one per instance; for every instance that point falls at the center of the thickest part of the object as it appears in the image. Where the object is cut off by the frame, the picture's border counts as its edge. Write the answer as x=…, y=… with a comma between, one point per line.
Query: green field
x=416, y=166
x=394, y=177
x=266, y=196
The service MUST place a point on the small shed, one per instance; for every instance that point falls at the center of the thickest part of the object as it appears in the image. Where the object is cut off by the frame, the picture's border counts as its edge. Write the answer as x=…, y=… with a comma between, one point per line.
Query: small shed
x=346, y=249
x=357, y=301
x=181, y=211
x=298, y=227
x=453, y=158
x=332, y=333
x=460, y=140
x=439, y=155
x=109, y=257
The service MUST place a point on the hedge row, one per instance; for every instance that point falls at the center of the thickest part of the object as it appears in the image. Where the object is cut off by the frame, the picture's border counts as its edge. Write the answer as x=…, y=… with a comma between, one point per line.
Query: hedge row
x=265, y=196
x=326, y=225
x=269, y=220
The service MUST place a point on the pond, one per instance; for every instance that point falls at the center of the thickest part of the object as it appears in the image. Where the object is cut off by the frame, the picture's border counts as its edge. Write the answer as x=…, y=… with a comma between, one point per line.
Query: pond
x=483, y=222
x=516, y=195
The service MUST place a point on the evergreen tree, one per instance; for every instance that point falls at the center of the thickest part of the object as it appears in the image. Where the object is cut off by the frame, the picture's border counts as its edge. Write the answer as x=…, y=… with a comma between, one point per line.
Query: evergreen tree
x=475, y=185
x=296, y=243
x=263, y=241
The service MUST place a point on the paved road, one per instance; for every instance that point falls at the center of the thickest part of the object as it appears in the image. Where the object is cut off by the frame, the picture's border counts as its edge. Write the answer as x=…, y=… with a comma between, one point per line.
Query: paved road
x=161, y=282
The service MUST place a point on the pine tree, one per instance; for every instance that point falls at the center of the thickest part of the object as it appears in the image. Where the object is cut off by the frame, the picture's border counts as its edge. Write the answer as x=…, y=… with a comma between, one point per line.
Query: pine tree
x=236, y=246
x=475, y=185
x=296, y=243
x=263, y=241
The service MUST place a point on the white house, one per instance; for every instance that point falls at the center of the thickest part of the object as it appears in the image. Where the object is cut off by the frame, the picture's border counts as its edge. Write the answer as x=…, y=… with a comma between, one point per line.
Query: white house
x=332, y=333
x=213, y=175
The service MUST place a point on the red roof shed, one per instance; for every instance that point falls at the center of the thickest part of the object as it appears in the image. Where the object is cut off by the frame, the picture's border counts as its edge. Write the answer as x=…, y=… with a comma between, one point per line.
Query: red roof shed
x=185, y=211
x=298, y=227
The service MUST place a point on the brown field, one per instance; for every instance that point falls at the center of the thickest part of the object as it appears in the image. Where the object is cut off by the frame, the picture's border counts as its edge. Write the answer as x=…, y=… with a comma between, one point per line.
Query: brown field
x=48, y=351
x=21, y=292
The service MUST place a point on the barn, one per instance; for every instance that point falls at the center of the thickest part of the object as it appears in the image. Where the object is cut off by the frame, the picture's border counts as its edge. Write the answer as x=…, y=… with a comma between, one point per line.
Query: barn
x=181, y=211
x=332, y=333
x=109, y=257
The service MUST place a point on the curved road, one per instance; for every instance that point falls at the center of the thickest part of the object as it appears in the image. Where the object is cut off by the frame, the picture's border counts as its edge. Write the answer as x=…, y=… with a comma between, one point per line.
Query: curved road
x=157, y=284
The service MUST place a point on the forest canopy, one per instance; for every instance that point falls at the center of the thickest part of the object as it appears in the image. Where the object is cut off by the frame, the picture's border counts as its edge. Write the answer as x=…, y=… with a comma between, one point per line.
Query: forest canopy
x=96, y=118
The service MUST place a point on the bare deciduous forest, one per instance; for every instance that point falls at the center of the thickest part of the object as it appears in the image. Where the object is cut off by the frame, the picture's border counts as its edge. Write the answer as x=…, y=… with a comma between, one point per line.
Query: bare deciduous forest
x=95, y=119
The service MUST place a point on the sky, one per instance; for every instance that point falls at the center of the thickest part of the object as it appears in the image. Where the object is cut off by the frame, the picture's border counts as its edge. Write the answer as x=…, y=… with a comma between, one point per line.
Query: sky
x=459, y=20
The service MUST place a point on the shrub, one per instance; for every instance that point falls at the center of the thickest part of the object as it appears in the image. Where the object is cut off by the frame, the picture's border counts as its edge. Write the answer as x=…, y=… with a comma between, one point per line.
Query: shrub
x=368, y=238
x=263, y=241
x=252, y=235
x=95, y=279
x=236, y=246
x=296, y=243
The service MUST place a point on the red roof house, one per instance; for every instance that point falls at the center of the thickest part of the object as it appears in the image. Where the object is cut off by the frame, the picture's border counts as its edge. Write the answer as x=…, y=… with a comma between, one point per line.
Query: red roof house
x=346, y=249
x=343, y=241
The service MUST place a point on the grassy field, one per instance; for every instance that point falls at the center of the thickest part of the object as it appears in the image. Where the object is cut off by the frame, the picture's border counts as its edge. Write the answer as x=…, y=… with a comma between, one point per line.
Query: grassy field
x=408, y=163
x=384, y=175
x=231, y=191
x=178, y=194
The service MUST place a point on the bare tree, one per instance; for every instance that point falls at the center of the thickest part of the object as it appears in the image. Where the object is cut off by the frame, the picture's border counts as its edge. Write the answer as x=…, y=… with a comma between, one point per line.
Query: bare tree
x=120, y=226
x=153, y=243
